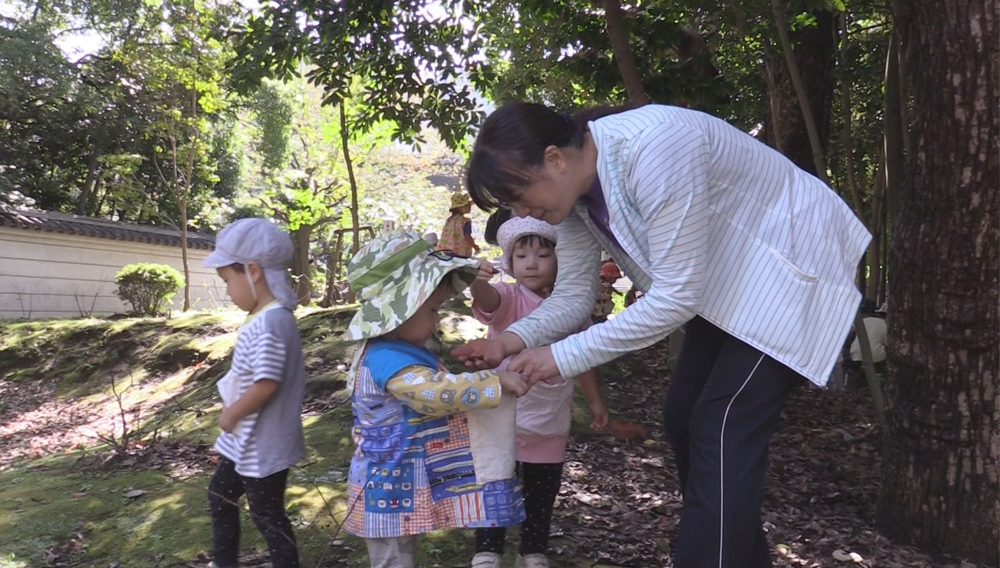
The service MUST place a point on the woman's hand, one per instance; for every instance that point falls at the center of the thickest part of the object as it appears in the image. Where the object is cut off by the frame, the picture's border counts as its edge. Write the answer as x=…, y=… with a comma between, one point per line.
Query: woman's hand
x=536, y=364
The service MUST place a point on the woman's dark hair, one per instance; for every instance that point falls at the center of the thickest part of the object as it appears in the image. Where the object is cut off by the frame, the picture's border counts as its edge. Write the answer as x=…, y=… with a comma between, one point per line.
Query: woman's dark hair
x=497, y=218
x=528, y=240
x=513, y=140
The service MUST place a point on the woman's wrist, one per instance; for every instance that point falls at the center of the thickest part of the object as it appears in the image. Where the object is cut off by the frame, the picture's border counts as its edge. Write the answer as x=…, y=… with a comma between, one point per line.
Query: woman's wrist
x=512, y=343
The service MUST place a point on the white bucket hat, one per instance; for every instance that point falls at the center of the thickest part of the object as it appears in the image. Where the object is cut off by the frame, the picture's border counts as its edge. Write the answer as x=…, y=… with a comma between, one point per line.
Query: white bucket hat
x=260, y=241
x=517, y=227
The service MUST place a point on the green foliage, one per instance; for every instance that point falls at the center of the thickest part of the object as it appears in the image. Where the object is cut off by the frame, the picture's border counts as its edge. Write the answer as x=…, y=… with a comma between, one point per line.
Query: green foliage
x=148, y=287
x=274, y=121
x=410, y=56
x=559, y=53
x=90, y=133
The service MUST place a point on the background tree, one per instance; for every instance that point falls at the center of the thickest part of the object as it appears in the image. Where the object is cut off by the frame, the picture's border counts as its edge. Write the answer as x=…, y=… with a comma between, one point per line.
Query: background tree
x=940, y=475
x=184, y=85
x=302, y=179
x=561, y=53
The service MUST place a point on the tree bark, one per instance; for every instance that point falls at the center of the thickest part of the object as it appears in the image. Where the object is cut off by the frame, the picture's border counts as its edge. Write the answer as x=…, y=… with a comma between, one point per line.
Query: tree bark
x=88, y=184
x=355, y=224
x=815, y=53
x=819, y=160
x=941, y=460
x=766, y=69
x=618, y=35
x=846, y=134
x=301, y=269
x=877, y=227
x=182, y=199
x=815, y=142
x=893, y=127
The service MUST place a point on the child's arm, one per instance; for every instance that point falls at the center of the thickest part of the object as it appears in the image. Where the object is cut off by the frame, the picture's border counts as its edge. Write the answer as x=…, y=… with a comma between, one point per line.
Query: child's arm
x=484, y=294
x=251, y=401
x=588, y=384
x=439, y=393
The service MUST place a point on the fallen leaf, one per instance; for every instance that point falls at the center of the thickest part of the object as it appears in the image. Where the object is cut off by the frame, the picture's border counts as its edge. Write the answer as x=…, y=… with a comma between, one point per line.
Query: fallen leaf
x=134, y=493
x=841, y=555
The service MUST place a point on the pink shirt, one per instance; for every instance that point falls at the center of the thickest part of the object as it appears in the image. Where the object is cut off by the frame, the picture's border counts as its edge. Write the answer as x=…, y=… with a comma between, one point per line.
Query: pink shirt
x=543, y=414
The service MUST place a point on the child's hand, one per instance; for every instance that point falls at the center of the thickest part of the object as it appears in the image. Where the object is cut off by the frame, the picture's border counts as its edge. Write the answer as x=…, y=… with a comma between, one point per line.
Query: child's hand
x=513, y=383
x=486, y=270
x=599, y=414
x=480, y=353
x=227, y=420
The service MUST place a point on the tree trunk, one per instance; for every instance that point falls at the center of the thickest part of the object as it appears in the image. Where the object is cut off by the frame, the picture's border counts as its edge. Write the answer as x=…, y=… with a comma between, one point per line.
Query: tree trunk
x=941, y=461
x=618, y=35
x=846, y=134
x=345, y=141
x=819, y=160
x=815, y=53
x=333, y=271
x=883, y=288
x=877, y=227
x=183, y=198
x=88, y=185
x=766, y=69
x=816, y=143
x=901, y=24
x=893, y=127
x=301, y=268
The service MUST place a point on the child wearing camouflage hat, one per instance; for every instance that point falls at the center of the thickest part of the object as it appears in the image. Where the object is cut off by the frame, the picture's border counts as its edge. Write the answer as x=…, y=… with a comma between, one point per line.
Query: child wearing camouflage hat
x=423, y=458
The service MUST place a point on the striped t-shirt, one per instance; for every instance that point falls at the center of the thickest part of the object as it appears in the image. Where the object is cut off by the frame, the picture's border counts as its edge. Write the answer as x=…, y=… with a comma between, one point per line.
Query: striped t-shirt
x=269, y=440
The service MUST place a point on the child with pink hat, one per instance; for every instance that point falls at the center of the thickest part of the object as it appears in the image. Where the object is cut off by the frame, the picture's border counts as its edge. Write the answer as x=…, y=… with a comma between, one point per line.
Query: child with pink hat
x=543, y=414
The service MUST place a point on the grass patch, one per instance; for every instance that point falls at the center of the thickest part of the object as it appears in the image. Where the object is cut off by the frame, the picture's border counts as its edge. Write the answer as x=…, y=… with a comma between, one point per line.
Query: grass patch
x=55, y=505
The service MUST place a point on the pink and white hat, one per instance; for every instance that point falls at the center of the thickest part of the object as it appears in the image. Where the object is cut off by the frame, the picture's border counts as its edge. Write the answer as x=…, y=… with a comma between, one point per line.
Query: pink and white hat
x=517, y=227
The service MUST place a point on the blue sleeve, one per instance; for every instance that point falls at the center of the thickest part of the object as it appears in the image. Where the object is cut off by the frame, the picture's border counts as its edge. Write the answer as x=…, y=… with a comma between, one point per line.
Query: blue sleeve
x=467, y=229
x=387, y=358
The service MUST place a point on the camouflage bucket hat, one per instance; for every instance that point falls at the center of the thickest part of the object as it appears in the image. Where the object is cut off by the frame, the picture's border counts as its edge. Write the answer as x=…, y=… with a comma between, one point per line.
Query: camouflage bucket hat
x=394, y=274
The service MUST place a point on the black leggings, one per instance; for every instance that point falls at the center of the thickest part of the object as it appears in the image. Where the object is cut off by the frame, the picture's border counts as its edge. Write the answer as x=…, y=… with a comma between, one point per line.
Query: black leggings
x=540, y=484
x=266, y=497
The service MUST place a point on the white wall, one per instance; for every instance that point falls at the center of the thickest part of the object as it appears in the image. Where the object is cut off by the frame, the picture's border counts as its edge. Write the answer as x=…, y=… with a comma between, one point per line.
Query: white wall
x=46, y=275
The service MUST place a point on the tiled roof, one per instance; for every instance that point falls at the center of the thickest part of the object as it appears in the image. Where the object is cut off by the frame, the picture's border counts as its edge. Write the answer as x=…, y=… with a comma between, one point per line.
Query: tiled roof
x=100, y=228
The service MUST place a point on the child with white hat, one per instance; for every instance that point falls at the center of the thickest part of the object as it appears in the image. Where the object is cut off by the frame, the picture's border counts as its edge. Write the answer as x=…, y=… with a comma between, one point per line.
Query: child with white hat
x=544, y=413
x=433, y=449
x=261, y=394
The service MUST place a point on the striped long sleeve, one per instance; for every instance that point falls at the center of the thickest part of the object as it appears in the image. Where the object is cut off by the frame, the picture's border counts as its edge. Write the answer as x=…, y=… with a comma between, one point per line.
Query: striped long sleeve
x=668, y=182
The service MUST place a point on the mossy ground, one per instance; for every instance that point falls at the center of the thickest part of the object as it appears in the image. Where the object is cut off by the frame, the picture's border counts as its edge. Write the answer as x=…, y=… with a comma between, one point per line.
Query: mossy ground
x=63, y=502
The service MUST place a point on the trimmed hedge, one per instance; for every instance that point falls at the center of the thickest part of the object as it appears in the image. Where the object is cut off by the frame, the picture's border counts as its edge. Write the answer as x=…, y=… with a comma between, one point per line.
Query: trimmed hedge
x=148, y=287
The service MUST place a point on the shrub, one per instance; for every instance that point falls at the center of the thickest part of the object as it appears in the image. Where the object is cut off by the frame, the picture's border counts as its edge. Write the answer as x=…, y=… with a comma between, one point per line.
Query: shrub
x=148, y=287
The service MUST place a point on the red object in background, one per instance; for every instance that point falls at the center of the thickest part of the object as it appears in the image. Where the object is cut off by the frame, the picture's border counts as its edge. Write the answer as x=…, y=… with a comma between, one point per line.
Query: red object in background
x=610, y=270
x=626, y=430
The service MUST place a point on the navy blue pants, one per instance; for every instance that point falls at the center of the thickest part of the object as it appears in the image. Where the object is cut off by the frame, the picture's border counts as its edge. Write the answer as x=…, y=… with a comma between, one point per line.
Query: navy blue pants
x=723, y=406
